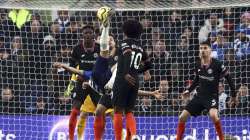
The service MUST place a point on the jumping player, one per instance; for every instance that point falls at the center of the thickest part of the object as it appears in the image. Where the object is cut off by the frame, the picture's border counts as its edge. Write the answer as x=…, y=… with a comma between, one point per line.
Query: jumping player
x=208, y=73
x=125, y=89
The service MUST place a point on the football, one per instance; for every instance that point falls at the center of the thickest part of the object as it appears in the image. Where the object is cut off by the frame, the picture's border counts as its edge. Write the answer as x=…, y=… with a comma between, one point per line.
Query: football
x=102, y=13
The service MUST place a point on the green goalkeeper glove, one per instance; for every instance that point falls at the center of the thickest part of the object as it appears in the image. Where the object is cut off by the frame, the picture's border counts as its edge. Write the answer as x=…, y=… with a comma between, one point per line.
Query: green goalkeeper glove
x=69, y=89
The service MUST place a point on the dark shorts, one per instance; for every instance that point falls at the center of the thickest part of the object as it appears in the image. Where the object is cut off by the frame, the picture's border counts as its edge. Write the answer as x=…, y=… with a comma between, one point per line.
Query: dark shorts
x=106, y=101
x=124, y=96
x=197, y=105
x=101, y=72
x=79, y=93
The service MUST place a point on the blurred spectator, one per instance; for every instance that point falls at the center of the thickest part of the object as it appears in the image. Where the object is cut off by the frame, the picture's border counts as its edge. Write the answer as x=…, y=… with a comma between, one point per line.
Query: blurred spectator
x=32, y=34
x=73, y=32
x=41, y=107
x=219, y=47
x=63, y=19
x=9, y=103
x=184, y=55
x=229, y=17
x=243, y=98
x=54, y=31
x=245, y=23
x=166, y=106
x=234, y=66
x=241, y=44
x=161, y=63
x=173, y=28
x=147, y=25
x=213, y=24
x=16, y=62
x=62, y=105
x=3, y=48
x=60, y=77
x=242, y=105
x=145, y=106
x=223, y=98
x=177, y=78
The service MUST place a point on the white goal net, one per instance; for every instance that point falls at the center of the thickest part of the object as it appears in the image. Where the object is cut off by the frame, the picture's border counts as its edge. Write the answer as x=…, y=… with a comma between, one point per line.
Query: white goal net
x=36, y=33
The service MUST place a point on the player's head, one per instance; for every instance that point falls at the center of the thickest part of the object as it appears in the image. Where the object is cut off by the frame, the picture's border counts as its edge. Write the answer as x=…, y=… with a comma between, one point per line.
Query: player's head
x=132, y=28
x=88, y=33
x=205, y=50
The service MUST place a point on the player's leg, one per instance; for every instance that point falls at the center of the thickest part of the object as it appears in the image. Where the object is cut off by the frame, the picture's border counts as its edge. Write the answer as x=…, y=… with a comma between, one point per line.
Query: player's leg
x=81, y=124
x=181, y=124
x=73, y=118
x=130, y=119
x=213, y=113
x=87, y=107
x=99, y=123
x=78, y=97
x=101, y=110
x=194, y=108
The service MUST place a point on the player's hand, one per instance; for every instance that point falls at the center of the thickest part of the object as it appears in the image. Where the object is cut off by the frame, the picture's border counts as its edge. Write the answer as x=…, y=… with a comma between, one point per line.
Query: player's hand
x=158, y=95
x=185, y=94
x=130, y=79
x=57, y=65
x=147, y=76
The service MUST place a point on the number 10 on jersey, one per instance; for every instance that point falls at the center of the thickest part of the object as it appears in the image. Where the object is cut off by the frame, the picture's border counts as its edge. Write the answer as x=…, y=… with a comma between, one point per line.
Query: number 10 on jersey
x=135, y=59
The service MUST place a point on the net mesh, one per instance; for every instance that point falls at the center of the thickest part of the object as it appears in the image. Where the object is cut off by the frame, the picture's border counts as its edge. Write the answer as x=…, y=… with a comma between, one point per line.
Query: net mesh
x=36, y=35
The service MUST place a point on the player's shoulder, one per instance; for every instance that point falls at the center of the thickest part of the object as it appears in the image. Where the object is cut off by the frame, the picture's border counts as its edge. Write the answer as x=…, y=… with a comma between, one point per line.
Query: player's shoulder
x=217, y=62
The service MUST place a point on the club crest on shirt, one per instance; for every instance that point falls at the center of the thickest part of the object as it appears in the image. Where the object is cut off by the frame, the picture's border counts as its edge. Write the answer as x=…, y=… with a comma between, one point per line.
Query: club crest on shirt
x=209, y=71
x=116, y=58
x=95, y=55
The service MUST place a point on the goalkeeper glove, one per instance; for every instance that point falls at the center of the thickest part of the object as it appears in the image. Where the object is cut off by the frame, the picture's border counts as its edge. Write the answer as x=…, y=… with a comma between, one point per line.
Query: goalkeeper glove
x=69, y=89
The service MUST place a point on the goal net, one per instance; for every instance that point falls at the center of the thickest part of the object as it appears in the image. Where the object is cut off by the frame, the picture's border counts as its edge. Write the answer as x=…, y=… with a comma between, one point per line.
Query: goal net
x=36, y=33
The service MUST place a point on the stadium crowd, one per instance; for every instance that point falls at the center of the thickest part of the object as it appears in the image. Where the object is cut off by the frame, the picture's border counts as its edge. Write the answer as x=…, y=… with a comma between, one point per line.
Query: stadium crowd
x=30, y=42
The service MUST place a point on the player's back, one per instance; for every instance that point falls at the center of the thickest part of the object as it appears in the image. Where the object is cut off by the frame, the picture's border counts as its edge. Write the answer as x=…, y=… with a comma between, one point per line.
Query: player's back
x=136, y=57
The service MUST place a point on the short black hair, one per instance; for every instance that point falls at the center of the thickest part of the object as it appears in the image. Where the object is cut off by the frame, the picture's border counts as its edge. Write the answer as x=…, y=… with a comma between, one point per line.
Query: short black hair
x=206, y=43
x=88, y=26
x=132, y=28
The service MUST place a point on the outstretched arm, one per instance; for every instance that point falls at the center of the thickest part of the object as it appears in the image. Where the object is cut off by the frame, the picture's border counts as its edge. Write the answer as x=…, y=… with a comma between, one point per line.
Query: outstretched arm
x=68, y=68
x=155, y=94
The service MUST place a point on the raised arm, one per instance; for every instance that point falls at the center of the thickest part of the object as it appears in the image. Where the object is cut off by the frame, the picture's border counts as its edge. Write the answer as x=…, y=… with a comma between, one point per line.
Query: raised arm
x=70, y=69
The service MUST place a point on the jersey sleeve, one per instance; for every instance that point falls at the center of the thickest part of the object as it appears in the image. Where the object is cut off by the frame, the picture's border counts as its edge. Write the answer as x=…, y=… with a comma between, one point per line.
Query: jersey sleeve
x=125, y=48
x=73, y=60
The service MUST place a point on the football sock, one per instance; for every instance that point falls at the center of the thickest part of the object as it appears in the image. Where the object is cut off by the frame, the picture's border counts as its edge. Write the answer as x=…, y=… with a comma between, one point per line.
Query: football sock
x=118, y=126
x=219, y=130
x=99, y=125
x=80, y=127
x=131, y=125
x=180, y=130
x=72, y=122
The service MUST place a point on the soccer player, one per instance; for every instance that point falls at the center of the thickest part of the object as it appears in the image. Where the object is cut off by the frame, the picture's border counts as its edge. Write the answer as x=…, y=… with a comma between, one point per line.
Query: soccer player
x=84, y=56
x=208, y=72
x=125, y=89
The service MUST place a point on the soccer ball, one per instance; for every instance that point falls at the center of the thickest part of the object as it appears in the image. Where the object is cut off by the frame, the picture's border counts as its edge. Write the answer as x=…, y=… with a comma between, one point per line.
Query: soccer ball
x=102, y=13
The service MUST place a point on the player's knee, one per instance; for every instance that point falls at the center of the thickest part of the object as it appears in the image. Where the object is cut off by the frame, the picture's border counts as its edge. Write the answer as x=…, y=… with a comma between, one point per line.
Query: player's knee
x=214, y=117
x=84, y=114
x=184, y=116
x=99, y=112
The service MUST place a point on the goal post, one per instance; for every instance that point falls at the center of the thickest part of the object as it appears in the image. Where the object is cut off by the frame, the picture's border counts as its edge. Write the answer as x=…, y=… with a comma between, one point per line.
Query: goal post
x=36, y=33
